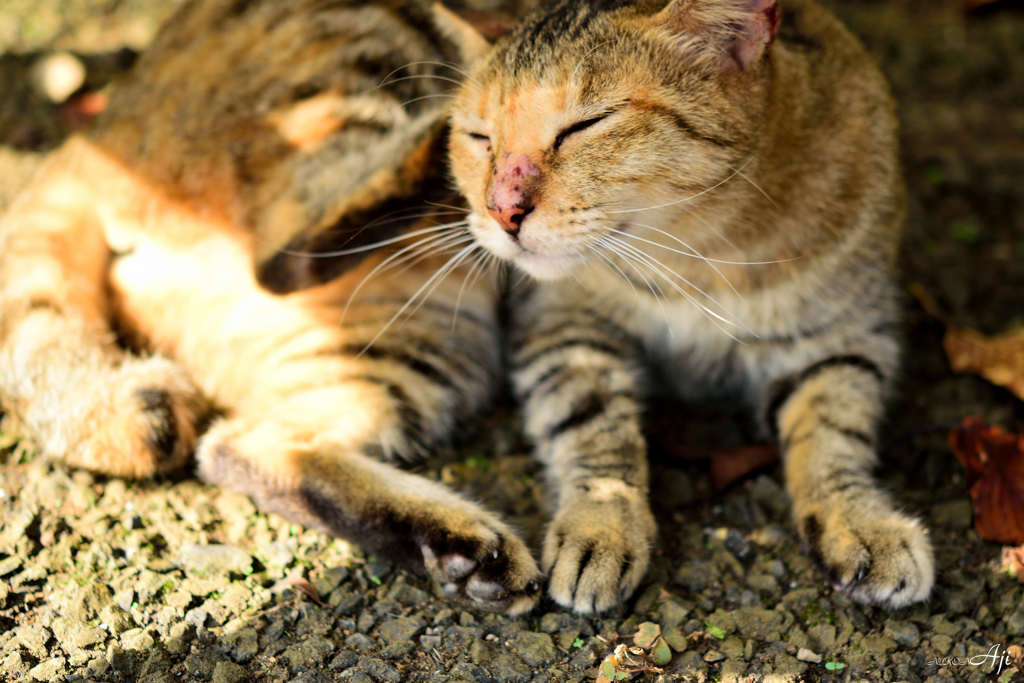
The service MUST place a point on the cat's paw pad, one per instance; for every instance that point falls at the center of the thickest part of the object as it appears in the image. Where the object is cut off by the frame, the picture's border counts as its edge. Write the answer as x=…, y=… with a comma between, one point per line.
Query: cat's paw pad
x=145, y=424
x=491, y=568
x=598, y=548
x=883, y=558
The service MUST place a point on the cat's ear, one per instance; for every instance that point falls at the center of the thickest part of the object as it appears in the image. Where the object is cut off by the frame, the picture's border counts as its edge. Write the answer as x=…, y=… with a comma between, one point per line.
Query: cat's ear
x=730, y=34
x=470, y=31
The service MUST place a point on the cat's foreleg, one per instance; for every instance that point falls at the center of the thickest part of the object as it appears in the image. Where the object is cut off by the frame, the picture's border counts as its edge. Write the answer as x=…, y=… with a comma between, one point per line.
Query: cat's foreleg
x=318, y=447
x=331, y=484
x=80, y=397
x=576, y=375
x=827, y=417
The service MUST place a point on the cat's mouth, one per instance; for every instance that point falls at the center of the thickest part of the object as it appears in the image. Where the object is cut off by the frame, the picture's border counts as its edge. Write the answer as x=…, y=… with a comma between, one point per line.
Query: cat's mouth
x=522, y=252
x=547, y=266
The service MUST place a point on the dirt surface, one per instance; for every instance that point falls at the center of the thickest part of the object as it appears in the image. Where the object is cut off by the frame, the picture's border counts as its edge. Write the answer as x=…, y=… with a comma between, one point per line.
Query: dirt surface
x=177, y=581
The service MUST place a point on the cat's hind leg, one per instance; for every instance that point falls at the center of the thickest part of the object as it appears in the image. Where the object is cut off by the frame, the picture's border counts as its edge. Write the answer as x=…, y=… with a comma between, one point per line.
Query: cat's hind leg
x=63, y=376
x=827, y=417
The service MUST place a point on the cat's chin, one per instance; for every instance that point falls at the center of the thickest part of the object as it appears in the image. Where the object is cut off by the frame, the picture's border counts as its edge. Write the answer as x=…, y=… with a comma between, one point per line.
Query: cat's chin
x=548, y=267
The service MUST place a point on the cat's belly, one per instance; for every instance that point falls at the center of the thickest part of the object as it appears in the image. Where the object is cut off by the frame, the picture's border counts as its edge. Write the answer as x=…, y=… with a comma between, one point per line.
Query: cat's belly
x=201, y=305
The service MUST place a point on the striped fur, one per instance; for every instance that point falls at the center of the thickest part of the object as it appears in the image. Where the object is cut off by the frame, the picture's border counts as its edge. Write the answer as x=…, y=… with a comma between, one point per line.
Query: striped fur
x=707, y=197
x=251, y=137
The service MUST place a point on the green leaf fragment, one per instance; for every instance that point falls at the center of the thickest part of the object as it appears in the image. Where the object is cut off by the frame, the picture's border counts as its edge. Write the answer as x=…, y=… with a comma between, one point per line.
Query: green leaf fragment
x=675, y=639
x=661, y=654
x=966, y=232
x=647, y=634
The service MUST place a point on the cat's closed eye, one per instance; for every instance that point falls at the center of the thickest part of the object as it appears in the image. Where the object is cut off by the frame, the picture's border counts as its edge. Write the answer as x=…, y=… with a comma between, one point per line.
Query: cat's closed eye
x=576, y=128
x=480, y=137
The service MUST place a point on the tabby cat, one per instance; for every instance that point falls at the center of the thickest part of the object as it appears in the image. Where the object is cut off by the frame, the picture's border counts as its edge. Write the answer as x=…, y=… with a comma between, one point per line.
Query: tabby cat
x=706, y=192
x=160, y=277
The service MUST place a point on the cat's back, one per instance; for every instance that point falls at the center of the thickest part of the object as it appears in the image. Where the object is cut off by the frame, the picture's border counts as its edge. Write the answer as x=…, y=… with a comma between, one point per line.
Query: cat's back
x=286, y=117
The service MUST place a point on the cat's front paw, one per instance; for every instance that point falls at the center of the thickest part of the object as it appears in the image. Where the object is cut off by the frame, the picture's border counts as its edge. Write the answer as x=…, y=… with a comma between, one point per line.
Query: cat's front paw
x=598, y=546
x=871, y=552
x=483, y=564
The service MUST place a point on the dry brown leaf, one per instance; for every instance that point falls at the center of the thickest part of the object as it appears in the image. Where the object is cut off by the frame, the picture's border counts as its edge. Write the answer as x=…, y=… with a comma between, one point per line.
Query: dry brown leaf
x=730, y=465
x=303, y=585
x=999, y=359
x=972, y=5
x=993, y=461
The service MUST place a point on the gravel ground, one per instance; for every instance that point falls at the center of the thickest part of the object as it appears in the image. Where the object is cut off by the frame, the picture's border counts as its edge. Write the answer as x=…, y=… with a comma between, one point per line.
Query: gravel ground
x=110, y=580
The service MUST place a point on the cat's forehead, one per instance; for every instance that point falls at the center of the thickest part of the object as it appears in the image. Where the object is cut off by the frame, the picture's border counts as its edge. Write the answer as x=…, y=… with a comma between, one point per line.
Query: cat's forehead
x=520, y=112
x=543, y=40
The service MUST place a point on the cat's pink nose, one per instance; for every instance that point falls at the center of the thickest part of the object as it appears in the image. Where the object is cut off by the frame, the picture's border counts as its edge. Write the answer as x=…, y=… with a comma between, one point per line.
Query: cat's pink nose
x=510, y=217
x=515, y=183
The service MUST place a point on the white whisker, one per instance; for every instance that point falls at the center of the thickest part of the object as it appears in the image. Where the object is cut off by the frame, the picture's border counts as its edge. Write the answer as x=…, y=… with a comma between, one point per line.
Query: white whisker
x=441, y=273
x=608, y=262
x=480, y=259
x=656, y=266
x=412, y=260
x=455, y=209
x=384, y=265
x=522, y=277
x=376, y=245
x=757, y=187
x=651, y=285
x=580, y=63
x=709, y=226
x=427, y=97
x=693, y=253
x=418, y=76
x=448, y=267
x=454, y=67
x=685, y=199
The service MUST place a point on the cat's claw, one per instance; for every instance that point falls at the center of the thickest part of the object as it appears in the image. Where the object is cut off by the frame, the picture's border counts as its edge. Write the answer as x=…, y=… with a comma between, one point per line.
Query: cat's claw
x=495, y=571
x=874, y=554
x=598, y=548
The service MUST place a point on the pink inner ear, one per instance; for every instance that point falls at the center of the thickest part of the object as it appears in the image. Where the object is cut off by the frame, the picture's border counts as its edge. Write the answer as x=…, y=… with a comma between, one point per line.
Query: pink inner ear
x=772, y=15
x=757, y=35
